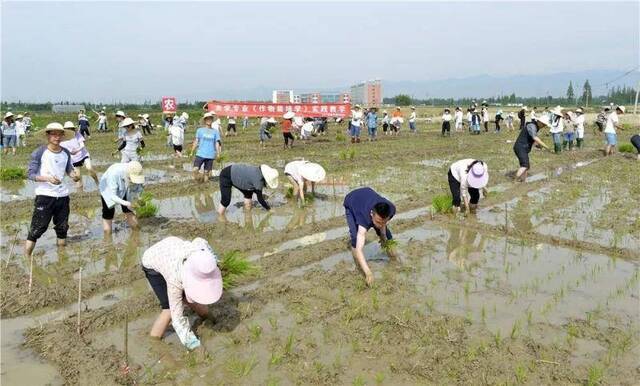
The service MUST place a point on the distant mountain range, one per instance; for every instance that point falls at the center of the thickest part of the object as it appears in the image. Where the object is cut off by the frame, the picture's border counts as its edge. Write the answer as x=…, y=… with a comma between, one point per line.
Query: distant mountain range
x=522, y=85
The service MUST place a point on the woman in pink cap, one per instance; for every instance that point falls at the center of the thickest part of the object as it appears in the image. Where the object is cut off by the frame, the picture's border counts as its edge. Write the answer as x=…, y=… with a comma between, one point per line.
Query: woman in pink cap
x=466, y=178
x=180, y=270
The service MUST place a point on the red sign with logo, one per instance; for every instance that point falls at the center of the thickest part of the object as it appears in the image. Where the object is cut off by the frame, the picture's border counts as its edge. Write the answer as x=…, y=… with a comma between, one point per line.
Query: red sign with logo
x=169, y=105
x=264, y=109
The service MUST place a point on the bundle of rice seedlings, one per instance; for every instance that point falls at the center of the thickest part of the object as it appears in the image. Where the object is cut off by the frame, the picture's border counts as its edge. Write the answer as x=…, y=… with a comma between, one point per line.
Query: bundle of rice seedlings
x=145, y=207
x=442, y=203
x=233, y=266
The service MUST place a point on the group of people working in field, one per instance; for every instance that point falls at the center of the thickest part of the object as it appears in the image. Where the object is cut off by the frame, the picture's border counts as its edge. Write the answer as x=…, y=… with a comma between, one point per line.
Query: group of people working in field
x=186, y=272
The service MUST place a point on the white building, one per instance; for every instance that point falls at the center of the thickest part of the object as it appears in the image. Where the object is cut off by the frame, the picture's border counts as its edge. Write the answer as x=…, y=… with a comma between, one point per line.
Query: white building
x=282, y=96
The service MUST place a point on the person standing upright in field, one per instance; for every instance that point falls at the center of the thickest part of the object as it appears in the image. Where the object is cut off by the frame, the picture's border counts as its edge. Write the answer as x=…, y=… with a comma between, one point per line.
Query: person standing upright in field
x=396, y=121
x=498, y=118
x=385, y=123
x=21, y=131
x=412, y=120
x=286, y=125
x=84, y=124
x=27, y=122
x=557, y=128
x=130, y=141
x=102, y=121
x=356, y=123
x=446, y=122
x=208, y=145
x=9, y=133
x=48, y=165
x=231, y=126
x=485, y=117
x=579, y=122
x=366, y=209
x=458, y=119
x=611, y=136
x=509, y=121
x=372, y=123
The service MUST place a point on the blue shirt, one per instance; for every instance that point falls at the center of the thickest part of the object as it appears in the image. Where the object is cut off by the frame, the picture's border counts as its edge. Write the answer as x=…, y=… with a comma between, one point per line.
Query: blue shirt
x=207, y=139
x=372, y=120
x=361, y=202
x=113, y=184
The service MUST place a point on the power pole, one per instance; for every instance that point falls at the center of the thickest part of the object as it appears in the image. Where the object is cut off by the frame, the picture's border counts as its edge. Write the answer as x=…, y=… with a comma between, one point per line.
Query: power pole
x=635, y=108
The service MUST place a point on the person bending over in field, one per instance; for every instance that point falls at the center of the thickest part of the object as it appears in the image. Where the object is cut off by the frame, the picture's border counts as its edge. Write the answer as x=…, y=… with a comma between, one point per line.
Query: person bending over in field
x=466, y=178
x=302, y=174
x=116, y=185
x=523, y=145
x=366, y=209
x=249, y=180
x=208, y=143
x=182, y=272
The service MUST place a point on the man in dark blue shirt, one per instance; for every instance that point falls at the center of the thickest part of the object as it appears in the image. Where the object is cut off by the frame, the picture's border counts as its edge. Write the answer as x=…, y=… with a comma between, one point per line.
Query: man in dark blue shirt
x=365, y=209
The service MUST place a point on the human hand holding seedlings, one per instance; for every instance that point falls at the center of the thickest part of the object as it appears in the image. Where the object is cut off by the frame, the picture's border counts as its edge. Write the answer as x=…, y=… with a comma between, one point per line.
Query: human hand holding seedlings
x=54, y=180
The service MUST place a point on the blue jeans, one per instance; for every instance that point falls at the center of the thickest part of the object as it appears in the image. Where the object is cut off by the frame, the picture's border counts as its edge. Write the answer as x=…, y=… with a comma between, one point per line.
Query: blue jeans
x=9, y=141
x=412, y=126
x=354, y=131
x=569, y=136
x=557, y=138
x=372, y=131
x=612, y=138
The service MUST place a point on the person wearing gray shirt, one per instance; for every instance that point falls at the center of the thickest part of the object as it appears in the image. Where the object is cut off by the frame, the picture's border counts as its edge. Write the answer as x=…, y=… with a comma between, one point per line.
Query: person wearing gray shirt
x=248, y=179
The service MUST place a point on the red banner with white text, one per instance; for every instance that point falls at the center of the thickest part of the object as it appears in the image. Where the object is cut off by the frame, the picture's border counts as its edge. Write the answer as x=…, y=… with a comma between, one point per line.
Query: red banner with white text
x=276, y=110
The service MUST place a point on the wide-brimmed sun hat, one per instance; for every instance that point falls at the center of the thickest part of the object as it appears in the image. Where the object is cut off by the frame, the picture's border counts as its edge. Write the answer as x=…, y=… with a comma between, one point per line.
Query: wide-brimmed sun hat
x=413, y=108
x=145, y=116
x=312, y=172
x=54, y=126
x=201, y=277
x=19, y=116
x=8, y=115
x=579, y=110
x=621, y=108
x=271, y=120
x=208, y=114
x=127, y=122
x=478, y=176
x=357, y=107
x=69, y=125
x=134, y=171
x=289, y=115
x=544, y=120
x=557, y=111
x=270, y=176
x=120, y=113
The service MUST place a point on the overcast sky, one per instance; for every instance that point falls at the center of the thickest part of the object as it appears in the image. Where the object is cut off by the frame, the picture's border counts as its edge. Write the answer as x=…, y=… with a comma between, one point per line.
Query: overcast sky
x=135, y=51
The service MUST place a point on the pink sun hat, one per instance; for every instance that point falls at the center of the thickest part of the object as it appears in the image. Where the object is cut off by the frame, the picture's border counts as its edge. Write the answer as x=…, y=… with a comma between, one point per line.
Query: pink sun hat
x=478, y=176
x=201, y=277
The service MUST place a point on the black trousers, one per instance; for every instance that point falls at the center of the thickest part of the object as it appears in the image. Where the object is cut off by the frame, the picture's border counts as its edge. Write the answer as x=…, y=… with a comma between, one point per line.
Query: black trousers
x=287, y=137
x=635, y=140
x=454, y=185
x=85, y=132
x=446, y=127
x=45, y=209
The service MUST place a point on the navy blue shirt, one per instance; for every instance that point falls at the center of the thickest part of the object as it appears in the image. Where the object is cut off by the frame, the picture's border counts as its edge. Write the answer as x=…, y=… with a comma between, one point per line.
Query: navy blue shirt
x=361, y=202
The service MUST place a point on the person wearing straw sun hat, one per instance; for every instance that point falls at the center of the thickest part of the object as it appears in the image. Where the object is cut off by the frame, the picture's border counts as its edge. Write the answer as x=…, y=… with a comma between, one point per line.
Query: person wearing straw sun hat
x=249, y=180
x=610, y=127
x=466, y=178
x=356, y=123
x=9, y=133
x=21, y=131
x=301, y=174
x=208, y=144
x=116, y=185
x=182, y=271
x=524, y=143
x=79, y=154
x=130, y=141
x=557, y=128
x=264, y=130
x=48, y=165
x=287, y=124
x=579, y=123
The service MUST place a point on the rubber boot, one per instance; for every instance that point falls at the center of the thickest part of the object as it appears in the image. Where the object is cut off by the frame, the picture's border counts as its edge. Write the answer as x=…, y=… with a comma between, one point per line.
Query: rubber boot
x=570, y=145
x=353, y=140
x=564, y=144
x=579, y=143
x=358, y=140
x=557, y=148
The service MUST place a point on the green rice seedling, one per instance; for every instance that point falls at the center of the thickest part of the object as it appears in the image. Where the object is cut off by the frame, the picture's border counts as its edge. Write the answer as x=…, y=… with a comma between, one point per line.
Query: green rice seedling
x=529, y=317
x=515, y=329
x=483, y=314
x=467, y=289
x=289, y=193
x=9, y=174
x=241, y=368
x=255, y=331
x=359, y=381
x=442, y=203
x=497, y=339
x=521, y=373
x=233, y=266
x=352, y=154
x=389, y=245
x=146, y=208
x=340, y=137
x=343, y=155
x=379, y=378
x=626, y=148
x=596, y=373
x=273, y=322
x=430, y=304
x=273, y=381
x=276, y=358
x=288, y=347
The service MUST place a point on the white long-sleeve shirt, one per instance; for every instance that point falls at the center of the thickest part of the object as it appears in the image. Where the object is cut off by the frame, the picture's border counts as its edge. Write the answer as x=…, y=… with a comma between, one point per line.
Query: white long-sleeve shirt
x=459, y=171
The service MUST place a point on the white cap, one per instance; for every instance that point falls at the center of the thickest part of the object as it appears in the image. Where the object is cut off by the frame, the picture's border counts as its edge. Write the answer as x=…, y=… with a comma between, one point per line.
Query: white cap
x=127, y=122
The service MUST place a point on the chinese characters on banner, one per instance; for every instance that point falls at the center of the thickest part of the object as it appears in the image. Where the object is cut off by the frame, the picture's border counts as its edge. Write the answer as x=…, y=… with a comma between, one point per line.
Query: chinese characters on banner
x=169, y=105
x=265, y=109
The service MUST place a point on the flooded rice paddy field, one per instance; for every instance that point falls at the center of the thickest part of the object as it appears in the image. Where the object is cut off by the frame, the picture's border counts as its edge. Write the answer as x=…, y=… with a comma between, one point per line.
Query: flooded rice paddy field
x=539, y=287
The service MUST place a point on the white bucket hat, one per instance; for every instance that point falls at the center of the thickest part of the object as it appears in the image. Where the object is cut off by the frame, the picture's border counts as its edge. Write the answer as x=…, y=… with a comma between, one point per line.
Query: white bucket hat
x=557, y=111
x=201, y=277
x=579, y=111
x=19, y=116
x=208, y=114
x=270, y=176
x=120, y=113
x=55, y=126
x=185, y=115
x=621, y=108
x=289, y=115
x=478, y=176
x=544, y=120
x=69, y=125
x=145, y=116
x=271, y=120
x=134, y=170
x=8, y=115
x=312, y=172
x=127, y=122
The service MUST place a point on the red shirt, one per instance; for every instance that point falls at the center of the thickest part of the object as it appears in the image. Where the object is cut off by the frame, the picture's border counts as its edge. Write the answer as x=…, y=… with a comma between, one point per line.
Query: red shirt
x=286, y=126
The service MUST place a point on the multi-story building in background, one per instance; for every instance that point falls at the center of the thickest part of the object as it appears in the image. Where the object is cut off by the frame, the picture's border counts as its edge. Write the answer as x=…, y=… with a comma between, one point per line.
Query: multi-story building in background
x=282, y=96
x=368, y=93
